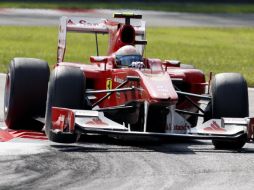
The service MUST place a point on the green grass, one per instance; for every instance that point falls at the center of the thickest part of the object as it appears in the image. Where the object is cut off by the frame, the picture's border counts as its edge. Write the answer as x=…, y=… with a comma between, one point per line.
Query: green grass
x=145, y=5
x=210, y=49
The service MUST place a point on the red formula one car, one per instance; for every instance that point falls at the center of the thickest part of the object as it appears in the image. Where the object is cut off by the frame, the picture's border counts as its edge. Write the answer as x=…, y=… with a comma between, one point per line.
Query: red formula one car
x=125, y=93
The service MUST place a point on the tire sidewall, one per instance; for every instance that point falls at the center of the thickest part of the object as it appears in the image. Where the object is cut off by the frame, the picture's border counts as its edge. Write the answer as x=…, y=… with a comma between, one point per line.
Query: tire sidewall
x=229, y=96
x=25, y=91
x=55, y=98
x=229, y=99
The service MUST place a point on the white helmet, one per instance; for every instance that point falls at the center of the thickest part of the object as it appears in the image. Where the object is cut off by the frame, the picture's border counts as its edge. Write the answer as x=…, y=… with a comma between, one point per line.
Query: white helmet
x=126, y=55
x=127, y=50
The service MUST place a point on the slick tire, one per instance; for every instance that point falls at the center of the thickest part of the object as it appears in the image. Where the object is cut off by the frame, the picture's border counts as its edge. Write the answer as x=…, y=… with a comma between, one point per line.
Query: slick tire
x=229, y=99
x=66, y=89
x=25, y=91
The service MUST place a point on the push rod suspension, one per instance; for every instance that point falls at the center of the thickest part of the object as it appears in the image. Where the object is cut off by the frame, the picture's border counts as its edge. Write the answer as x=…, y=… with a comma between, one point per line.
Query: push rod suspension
x=108, y=94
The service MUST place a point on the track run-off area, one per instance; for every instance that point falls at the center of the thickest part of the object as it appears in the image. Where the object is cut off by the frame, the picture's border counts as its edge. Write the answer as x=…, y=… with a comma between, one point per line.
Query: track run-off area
x=41, y=17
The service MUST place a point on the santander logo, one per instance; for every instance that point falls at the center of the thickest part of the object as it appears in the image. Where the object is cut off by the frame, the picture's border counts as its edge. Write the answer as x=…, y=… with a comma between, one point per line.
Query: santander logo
x=214, y=127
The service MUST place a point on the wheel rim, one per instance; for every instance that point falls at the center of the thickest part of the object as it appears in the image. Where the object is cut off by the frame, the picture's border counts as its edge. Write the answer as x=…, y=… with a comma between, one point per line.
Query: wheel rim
x=7, y=94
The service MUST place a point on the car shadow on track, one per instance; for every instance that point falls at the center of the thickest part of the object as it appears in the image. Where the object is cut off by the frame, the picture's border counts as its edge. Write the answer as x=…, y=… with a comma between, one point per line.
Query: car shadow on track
x=100, y=143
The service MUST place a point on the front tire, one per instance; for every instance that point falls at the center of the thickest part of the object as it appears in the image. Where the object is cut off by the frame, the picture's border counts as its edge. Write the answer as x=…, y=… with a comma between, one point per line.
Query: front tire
x=229, y=99
x=25, y=91
x=66, y=89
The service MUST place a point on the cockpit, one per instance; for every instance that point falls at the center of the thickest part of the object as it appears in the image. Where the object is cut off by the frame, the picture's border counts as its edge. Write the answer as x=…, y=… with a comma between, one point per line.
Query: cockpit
x=128, y=56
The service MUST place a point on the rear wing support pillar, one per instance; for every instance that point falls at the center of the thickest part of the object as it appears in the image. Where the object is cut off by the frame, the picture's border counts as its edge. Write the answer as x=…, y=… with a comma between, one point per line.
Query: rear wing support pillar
x=62, y=39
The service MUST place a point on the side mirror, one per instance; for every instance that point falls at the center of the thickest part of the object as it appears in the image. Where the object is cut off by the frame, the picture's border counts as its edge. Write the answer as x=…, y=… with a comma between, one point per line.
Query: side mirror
x=99, y=60
x=171, y=63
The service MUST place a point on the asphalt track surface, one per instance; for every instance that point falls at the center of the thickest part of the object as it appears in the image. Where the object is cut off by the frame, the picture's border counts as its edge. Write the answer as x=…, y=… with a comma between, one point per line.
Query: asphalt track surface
x=38, y=17
x=103, y=163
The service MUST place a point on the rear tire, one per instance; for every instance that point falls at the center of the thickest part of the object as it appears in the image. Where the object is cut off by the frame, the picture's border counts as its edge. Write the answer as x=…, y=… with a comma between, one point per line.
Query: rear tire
x=25, y=91
x=66, y=89
x=229, y=99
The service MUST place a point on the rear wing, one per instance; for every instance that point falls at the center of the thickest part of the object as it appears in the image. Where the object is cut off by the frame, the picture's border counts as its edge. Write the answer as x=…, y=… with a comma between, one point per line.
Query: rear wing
x=90, y=25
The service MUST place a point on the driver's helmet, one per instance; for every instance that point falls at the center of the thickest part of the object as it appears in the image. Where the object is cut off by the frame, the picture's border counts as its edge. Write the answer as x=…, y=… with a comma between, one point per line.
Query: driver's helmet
x=127, y=55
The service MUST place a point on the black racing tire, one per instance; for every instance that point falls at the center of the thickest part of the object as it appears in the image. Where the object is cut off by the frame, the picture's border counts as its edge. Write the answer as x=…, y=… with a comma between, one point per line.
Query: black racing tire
x=25, y=91
x=66, y=89
x=229, y=99
x=229, y=96
x=230, y=144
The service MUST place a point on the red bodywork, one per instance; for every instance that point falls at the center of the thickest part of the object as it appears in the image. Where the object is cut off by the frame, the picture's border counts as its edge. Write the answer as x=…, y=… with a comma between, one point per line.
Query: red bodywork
x=157, y=85
x=128, y=94
x=157, y=80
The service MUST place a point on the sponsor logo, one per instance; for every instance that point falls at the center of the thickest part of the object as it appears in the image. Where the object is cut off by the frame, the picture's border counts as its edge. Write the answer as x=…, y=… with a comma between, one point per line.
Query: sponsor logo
x=163, y=90
x=62, y=123
x=96, y=121
x=214, y=127
x=85, y=23
x=118, y=80
x=59, y=123
x=181, y=127
x=70, y=21
x=109, y=84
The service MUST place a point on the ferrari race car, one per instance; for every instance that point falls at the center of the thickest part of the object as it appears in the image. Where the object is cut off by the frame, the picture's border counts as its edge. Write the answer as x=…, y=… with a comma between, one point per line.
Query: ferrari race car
x=125, y=93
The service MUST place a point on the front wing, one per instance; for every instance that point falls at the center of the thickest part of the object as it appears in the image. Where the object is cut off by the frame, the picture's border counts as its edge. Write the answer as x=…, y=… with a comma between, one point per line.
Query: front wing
x=87, y=121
